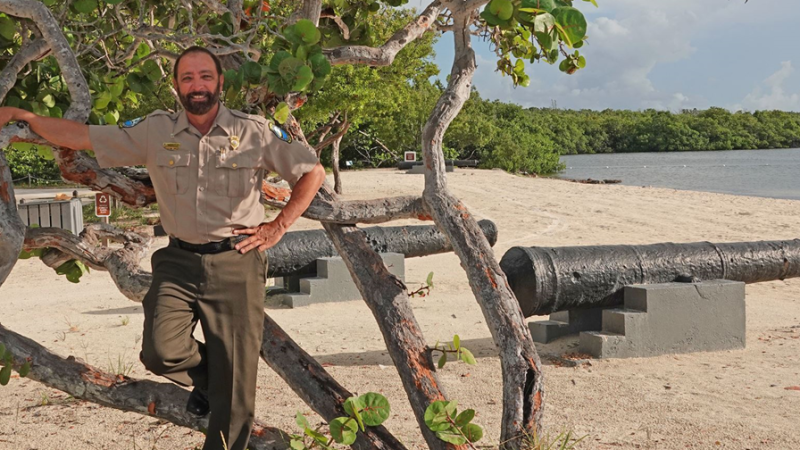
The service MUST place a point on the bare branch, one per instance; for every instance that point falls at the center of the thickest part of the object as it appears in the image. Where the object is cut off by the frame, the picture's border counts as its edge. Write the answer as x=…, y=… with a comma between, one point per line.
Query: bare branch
x=385, y=54
x=29, y=52
x=12, y=230
x=342, y=26
x=162, y=400
x=215, y=6
x=122, y=264
x=354, y=211
x=523, y=393
x=387, y=298
x=311, y=10
x=51, y=32
x=319, y=147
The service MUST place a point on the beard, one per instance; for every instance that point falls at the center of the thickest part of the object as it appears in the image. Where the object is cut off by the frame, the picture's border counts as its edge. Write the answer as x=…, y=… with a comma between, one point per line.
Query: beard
x=199, y=102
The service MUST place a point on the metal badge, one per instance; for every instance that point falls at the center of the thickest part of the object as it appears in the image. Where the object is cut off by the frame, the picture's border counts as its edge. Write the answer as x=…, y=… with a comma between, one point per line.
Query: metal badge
x=131, y=123
x=171, y=146
x=234, y=142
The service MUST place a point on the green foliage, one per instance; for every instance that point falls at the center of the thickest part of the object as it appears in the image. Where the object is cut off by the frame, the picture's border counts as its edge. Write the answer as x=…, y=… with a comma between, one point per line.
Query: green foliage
x=562, y=441
x=425, y=290
x=534, y=30
x=443, y=418
x=73, y=270
x=370, y=409
x=459, y=352
x=7, y=359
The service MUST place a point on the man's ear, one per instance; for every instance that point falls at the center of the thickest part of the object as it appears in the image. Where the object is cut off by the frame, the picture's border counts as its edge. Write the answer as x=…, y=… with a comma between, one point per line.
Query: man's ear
x=175, y=84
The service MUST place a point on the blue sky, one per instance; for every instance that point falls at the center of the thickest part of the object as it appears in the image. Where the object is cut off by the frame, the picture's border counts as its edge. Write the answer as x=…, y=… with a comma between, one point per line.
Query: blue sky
x=665, y=54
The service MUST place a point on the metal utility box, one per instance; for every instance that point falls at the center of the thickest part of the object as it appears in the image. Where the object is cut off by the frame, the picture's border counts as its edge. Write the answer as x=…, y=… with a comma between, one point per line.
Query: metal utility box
x=67, y=214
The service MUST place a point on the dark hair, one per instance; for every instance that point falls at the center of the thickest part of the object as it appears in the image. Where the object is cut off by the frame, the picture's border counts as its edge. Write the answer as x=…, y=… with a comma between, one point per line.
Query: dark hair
x=196, y=49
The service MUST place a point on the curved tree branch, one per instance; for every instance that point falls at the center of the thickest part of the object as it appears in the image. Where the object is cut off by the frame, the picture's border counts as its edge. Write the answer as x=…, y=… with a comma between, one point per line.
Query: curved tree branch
x=354, y=211
x=385, y=54
x=387, y=298
x=122, y=264
x=29, y=52
x=163, y=400
x=12, y=230
x=50, y=29
x=523, y=390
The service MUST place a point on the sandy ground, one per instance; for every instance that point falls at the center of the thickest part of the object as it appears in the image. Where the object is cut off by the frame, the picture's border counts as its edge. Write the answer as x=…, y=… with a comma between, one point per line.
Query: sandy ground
x=731, y=399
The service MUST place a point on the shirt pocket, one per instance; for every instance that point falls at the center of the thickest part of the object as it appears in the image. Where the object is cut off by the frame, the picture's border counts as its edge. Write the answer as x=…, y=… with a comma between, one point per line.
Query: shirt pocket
x=174, y=167
x=236, y=175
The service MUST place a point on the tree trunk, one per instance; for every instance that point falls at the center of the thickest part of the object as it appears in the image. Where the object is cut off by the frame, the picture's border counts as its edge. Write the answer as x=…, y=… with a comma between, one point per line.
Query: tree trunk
x=312, y=383
x=387, y=298
x=523, y=391
x=12, y=230
x=337, y=178
x=163, y=400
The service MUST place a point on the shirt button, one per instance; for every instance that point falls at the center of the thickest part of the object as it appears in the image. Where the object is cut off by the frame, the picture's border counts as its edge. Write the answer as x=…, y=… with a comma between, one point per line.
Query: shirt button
x=233, y=165
x=171, y=162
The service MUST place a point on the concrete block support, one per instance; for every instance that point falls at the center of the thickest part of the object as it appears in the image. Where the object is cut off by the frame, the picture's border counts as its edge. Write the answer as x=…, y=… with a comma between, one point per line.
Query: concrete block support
x=564, y=323
x=671, y=318
x=333, y=283
x=421, y=169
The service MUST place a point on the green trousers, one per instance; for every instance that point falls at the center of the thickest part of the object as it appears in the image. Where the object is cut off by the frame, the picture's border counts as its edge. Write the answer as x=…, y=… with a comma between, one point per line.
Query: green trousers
x=225, y=293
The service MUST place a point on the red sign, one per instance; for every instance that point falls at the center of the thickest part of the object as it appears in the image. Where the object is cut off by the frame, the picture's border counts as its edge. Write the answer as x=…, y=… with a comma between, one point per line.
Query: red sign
x=102, y=204
x=410, y=156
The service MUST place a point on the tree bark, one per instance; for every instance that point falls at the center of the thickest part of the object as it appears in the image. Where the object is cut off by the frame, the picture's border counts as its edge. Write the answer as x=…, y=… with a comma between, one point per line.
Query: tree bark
x=387, y=298
x=337, y=176
x=122, y=264
x=315, y=386
x=12, y=230
x=523, y=390
x=163, y=400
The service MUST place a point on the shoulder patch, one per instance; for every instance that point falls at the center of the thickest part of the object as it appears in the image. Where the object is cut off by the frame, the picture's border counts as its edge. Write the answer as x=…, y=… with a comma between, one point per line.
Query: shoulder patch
x=131, y=123
x=279, y=132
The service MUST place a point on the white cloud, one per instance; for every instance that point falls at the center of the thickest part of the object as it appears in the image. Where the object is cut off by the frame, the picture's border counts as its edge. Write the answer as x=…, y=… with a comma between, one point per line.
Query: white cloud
x=626, y=43
x=773, y=94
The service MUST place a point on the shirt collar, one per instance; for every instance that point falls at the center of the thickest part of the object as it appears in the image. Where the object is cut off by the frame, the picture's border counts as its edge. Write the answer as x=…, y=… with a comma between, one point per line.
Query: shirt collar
x=224, y=120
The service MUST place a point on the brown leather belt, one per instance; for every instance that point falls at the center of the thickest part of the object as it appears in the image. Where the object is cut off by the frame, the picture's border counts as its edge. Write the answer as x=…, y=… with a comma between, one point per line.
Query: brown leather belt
x=209, y=247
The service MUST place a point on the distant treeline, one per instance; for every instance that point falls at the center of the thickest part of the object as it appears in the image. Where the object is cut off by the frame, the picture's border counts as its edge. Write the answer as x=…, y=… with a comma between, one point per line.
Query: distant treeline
x=530, y=140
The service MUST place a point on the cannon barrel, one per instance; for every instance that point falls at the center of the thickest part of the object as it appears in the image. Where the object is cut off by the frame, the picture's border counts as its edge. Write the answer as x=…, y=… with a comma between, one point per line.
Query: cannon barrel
x=547, y=280
x=297, y=251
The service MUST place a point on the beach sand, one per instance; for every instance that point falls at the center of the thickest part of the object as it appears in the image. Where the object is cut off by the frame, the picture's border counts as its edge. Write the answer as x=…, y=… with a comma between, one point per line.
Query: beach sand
x=730, y=399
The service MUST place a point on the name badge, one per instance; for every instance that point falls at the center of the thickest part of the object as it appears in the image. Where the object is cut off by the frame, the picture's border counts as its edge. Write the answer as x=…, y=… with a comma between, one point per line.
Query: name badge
x=172, y=146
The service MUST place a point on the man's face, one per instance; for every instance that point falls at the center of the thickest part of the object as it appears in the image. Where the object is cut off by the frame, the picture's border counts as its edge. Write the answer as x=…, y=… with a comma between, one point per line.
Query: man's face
x=198, y=83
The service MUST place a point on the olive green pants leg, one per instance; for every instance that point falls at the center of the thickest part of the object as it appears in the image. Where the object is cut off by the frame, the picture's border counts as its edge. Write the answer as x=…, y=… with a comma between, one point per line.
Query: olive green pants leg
x=225, y=292
x=170, y=316
x=231, y=307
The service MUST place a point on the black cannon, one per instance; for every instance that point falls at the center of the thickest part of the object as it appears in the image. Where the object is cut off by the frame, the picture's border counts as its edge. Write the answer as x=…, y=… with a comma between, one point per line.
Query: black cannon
x=297, y=251
x=547, y=280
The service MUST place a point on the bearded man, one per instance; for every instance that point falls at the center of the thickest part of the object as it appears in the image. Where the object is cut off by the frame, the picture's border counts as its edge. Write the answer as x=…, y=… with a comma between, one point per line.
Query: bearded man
x=206, y=163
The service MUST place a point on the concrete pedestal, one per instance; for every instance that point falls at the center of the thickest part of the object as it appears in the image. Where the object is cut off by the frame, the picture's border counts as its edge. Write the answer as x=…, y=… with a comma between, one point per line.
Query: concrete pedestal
x=333, y=283
x=671, y=318
x=565, y=323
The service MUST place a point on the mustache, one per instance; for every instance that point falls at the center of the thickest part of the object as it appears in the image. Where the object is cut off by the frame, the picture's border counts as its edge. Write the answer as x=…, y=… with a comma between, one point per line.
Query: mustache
x=206, y=94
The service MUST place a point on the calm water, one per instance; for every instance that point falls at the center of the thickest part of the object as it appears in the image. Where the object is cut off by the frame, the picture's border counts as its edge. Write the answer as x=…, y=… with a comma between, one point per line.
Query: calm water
x=761, y=173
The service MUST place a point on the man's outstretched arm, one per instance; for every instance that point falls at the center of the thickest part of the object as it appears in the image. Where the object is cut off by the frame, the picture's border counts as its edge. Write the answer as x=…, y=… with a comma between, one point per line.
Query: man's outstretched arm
x=268, y=234
x=60, y=132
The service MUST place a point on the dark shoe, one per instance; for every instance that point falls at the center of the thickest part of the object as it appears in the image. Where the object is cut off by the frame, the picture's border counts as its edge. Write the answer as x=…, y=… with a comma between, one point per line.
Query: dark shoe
x=198, y=403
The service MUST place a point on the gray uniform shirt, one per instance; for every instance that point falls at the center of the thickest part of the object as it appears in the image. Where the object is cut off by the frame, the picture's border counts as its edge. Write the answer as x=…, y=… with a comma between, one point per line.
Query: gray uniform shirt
x=206, y=186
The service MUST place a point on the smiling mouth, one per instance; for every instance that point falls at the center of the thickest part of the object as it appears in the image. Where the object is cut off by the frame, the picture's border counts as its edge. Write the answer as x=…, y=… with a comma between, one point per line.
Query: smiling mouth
x=198, y=96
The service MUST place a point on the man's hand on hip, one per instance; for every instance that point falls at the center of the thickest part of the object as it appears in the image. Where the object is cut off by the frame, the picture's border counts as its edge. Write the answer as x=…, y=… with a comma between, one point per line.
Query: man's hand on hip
x=263, y=236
